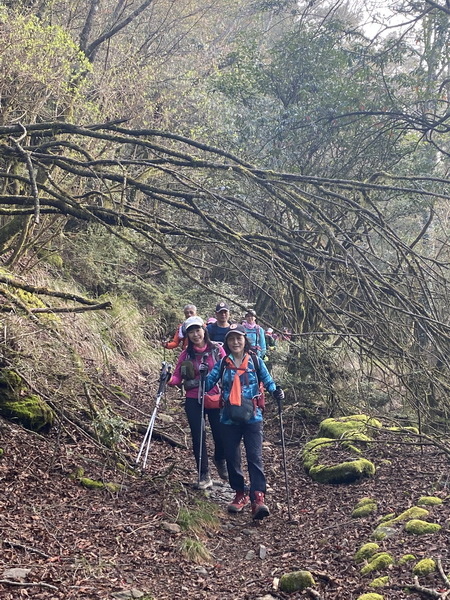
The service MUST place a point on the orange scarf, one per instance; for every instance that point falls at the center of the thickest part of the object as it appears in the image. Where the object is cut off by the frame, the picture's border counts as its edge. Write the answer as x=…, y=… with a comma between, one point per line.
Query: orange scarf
x=235, y=392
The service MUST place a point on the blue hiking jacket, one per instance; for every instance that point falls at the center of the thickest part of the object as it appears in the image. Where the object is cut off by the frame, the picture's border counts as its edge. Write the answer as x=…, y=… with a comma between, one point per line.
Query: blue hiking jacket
x=249, y=384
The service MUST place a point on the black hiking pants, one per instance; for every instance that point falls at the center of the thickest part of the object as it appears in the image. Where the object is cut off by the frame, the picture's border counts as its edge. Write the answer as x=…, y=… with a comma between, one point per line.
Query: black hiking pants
x=252, y=434
x=194, y=413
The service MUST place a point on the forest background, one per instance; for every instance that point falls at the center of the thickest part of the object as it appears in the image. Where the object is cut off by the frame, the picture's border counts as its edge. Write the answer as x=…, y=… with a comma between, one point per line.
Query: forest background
x=285, y=156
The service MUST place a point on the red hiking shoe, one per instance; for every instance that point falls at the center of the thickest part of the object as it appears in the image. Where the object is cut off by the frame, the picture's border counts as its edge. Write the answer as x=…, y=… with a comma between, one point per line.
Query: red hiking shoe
x=259, y=509
x=240, y=500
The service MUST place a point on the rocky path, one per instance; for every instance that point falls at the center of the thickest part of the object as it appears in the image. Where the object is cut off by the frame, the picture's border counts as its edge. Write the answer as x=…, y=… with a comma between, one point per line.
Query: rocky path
x=97, y=544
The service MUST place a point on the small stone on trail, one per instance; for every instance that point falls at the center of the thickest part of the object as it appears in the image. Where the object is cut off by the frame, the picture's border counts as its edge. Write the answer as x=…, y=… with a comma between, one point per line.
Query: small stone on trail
x=262, y=552
x=16, y=574
x=172, y=527
x=127, y=594
x=251, y=554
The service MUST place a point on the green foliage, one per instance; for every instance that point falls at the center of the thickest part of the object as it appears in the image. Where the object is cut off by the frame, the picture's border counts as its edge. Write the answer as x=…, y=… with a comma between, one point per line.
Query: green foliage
x=195, y=551
x=201, y=517
x=110, y=428
x=40, y=66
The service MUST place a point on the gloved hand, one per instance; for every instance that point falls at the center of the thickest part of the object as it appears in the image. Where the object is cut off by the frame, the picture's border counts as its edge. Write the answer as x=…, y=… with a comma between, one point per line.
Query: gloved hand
x=278, y=394
x=190, y=384
x=203, y=369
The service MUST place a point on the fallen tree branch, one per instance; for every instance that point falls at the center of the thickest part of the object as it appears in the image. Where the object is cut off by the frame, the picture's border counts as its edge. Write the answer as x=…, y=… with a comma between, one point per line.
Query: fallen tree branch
x=24, y=584
x=12, y=544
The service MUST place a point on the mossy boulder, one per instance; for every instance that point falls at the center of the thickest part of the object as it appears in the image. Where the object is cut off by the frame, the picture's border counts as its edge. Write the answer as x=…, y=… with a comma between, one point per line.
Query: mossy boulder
x=415, y=512
x=406, y=558
x=312, y=449
x=418, y=527
x=348, y=426
x=30, y=411
x=379, y=582
x=296, y=581
x=364, y=508
x=91, y=484
x=16, y=405
x=424, y=567
x=370, y=596
x=429, y=501
x=378, y=562
x=345, y=472
x=366, y=551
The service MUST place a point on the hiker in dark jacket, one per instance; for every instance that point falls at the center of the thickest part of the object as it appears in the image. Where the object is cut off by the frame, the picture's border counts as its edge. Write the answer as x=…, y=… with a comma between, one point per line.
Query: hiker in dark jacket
x=201, y=349
x=241, y=418
x=218, y=330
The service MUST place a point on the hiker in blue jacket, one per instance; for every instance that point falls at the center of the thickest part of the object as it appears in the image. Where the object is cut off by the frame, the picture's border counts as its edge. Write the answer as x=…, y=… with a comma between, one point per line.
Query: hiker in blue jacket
x=241, y=417
x=255, y=333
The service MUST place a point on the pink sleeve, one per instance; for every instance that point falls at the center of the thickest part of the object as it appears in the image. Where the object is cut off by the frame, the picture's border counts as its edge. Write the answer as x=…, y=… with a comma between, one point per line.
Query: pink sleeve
x=176, y=376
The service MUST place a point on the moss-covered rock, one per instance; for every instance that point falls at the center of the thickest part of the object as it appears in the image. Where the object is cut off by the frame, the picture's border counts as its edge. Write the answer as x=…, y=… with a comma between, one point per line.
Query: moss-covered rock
x=364, y=508
x=30, y=411
x=409, y=429
x=91, y=484
x=378, y=562
x=343, y=426
x=429, y=501
x=379, y=582
x=418, y=527
x=311, y=451
x=345, y=472
x=406, y=558
x=296, y=581
x=1, y=452
x=424, y=567
x=366, y=551
x=387, y=517
x=16, y=405
x=370, y=596
x=11, y=385
x=415, y=512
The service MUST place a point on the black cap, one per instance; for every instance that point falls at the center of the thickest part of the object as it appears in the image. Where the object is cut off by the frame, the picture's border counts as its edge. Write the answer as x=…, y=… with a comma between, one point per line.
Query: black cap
x=236, y=328
x=222, y=306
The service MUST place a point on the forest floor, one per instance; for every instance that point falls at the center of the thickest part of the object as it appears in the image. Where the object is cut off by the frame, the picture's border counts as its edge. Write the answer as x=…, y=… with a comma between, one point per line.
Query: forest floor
x=78, y=543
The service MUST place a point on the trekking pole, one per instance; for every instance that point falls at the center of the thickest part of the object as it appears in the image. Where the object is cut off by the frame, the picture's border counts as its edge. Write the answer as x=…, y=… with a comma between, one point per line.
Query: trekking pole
x=201, y=400
x=283, y=451
x=164, y=376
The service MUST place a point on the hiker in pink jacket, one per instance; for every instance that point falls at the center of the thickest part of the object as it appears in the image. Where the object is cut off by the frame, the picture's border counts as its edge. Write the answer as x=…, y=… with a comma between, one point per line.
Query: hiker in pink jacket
x=201, y=349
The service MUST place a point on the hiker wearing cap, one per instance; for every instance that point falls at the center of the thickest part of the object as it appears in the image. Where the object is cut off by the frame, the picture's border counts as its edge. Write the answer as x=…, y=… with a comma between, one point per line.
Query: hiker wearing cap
x=242, y=419
x=218, y=330
x=190, y=310
x=255, y=333
x=200, y=349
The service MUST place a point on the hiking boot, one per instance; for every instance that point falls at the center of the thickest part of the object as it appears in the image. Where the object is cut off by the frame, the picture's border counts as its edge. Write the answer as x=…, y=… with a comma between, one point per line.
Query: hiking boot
x=205, y=482
x=259, y=509
x=240, y=500
x=222, y=470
